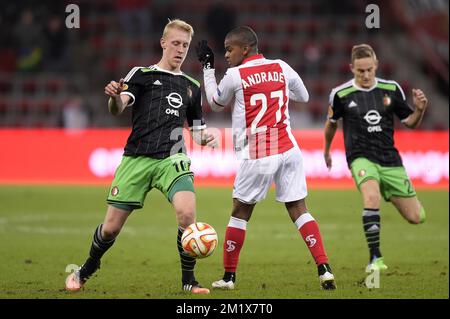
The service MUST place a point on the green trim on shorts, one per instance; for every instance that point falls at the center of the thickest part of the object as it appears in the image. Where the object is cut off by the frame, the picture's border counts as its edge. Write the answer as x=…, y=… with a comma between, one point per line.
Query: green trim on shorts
x=136, y=176
x=122, y=206
x=393, y=181
x=184, y=183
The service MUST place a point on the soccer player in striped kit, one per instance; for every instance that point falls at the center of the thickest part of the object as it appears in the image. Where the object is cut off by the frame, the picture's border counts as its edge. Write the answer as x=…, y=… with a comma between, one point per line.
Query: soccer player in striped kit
x=263, y=142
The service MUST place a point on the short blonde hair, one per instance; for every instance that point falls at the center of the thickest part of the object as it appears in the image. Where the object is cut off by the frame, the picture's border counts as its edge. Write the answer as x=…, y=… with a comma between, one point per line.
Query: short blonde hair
x=362, y=51
x=178, y=24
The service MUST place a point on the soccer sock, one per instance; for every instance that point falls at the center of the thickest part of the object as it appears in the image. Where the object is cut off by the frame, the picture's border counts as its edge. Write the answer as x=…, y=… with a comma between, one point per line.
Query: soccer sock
x=234, y=239
x=187, y=262
x=309, y=229
x=371, y=224
x=98, y=247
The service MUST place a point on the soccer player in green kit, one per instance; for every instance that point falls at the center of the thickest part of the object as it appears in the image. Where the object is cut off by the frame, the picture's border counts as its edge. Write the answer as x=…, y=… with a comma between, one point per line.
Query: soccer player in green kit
x=367, y=105
x=162, y=99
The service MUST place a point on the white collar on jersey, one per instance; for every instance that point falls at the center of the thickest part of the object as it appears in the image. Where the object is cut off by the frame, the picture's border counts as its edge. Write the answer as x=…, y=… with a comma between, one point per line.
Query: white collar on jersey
x=157, y=67
x=253, y=57
x=363, y=89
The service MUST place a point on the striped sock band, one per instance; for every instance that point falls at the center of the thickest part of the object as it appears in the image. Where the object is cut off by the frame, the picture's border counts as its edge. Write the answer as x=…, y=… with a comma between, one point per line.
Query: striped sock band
x=371, y=225
x=99, y=245
x=187, y=262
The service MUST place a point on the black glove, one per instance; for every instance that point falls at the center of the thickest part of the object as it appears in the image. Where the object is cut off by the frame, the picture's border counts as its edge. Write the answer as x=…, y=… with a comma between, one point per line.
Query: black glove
x=205, y=55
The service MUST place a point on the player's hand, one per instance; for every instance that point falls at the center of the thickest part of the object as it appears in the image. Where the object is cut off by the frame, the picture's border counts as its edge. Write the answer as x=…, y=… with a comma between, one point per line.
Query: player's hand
x=328, y=160
x=205, y=55
x=419, y=99
x=113, y=88
x=211, y=141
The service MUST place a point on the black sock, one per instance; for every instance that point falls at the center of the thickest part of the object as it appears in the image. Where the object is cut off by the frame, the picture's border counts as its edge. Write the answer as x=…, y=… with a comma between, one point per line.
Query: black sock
x=187, y=262
x=323, y=268
x=371, y=224
x=98, y=247
x=229, y=276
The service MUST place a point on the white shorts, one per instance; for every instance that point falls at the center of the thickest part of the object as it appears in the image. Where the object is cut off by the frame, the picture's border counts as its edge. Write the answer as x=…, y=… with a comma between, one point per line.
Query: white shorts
x=255, y=176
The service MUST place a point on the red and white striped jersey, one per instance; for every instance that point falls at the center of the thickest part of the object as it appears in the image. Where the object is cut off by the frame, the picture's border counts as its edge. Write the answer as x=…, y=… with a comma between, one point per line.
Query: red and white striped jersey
x=261, y=89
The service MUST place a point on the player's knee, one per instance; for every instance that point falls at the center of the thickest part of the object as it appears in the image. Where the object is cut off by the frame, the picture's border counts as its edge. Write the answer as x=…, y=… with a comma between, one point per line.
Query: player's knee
x=185, y=217
x=242, y=211
x=110, y=232
x=418, y=217
x=415, y=219
x=372, y=200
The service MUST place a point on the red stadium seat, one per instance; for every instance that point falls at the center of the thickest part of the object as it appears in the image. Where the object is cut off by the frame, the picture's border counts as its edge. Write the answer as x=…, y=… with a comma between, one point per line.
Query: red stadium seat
x=328, y=48
x=24, y=106
x=319, y=89
x=270, y=27
x=386, y=69
x=287, y=47
x=29, y=86
x=98, y=43
x=312, y=28
x=354, y=27
x=53, y=86
x=137, y=46
x=7, y=60
x=6, y=86
x=112, y=63
x=45, y=106
x=3, y=107
x=292, y=27
x=317, y=110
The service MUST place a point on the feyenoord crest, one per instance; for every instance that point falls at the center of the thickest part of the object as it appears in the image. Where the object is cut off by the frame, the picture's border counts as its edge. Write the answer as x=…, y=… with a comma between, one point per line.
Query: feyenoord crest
x=114, y=191
x=125, y=87
x=361, y=173
x=387, y=100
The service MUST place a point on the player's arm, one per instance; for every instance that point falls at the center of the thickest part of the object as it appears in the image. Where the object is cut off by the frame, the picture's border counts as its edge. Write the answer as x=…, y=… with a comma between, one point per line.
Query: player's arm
x=330, y=131
x=335, y=111
x=297, y=89
x=125, y=92
x=117, y=102
x=217, y=96
x=196, y=122
x=420, y=102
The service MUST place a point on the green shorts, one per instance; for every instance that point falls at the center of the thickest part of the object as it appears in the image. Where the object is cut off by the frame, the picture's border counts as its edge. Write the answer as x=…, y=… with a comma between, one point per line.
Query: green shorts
x=393, y=180
x=136, y=176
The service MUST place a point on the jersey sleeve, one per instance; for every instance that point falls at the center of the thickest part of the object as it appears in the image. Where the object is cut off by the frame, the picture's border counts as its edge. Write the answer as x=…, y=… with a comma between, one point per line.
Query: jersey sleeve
x=194, y=112
x=297, y=89
x=401, y=107
x=219, y=96
x=133, y=84
x=335, y=109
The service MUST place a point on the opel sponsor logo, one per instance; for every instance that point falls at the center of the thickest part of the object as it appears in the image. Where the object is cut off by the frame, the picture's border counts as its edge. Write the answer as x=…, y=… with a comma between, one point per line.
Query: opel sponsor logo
x=175, y=100
x=373, y=117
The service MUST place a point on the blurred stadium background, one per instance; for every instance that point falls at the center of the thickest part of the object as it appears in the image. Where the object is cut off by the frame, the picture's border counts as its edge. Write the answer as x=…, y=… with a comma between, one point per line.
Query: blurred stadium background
x=51, y=76
x=55, y=128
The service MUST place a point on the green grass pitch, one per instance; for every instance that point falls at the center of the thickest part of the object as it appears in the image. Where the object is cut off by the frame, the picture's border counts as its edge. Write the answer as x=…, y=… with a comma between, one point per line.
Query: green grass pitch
x=45, y=228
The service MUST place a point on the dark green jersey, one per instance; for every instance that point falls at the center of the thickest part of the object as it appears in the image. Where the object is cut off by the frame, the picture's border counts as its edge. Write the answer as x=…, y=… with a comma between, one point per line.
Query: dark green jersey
x=161, y=103
x=368, y=118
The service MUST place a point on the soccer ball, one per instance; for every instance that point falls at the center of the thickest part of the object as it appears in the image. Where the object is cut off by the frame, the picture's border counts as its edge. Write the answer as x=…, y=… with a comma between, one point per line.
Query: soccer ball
x=199, y=240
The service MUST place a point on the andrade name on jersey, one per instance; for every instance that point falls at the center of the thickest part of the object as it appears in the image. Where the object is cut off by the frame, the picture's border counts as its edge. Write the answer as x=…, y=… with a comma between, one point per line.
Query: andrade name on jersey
x=261, y=77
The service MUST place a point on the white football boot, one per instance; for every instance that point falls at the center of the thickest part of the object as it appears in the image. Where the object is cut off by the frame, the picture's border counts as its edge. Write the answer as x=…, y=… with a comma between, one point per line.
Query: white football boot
x=222, y=284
